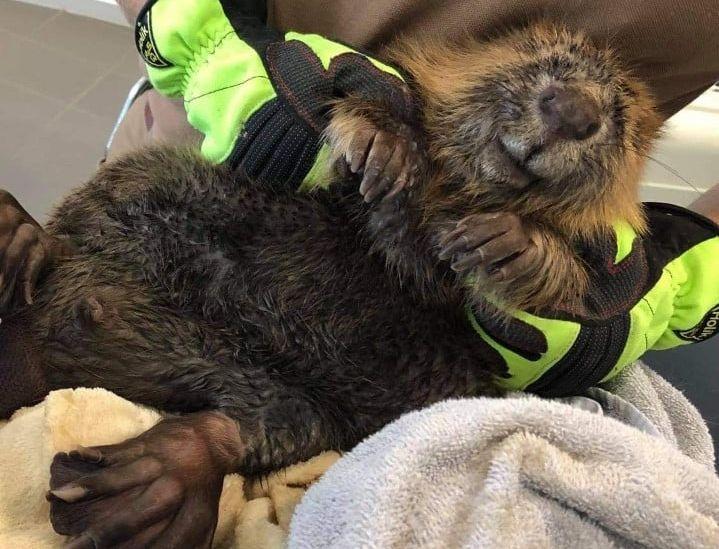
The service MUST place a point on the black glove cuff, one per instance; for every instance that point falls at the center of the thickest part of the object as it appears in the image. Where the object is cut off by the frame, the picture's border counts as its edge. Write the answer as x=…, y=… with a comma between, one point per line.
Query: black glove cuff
x=145, y=41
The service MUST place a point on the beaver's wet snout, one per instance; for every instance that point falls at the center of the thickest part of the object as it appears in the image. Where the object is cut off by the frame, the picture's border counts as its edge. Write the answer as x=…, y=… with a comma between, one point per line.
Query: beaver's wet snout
x=569, y=113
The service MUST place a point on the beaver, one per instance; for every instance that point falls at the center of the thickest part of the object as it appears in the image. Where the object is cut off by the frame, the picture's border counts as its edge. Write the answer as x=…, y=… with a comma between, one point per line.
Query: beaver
x=283, y=324
x=538, y=123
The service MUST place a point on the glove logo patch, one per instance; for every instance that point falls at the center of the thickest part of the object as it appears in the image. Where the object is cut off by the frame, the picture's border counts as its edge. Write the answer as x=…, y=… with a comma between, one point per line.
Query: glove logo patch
x=145, y=43
x=708, y=327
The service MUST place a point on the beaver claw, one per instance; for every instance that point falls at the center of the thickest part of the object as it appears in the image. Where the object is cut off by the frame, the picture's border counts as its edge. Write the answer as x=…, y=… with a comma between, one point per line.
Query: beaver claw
x=497, y=244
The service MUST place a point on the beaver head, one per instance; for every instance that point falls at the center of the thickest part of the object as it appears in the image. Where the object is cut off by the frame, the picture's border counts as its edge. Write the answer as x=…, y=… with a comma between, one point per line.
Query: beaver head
x=538, y=121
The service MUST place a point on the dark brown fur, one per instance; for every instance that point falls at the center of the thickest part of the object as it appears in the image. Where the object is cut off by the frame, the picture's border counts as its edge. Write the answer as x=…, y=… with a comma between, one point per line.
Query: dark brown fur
x=194, y=289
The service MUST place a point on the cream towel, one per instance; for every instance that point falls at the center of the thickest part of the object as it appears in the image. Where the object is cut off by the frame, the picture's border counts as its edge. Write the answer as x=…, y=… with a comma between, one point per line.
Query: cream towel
x=91, y=417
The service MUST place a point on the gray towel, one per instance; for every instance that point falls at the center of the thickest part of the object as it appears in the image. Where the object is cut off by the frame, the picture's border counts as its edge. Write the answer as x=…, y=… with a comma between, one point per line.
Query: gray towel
x=522, y=472
x=667, y=409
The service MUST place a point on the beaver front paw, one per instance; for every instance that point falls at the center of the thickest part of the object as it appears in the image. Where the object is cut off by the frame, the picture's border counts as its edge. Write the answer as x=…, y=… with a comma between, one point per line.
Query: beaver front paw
x=498, y=245
x=25, y=249
x=389, y=162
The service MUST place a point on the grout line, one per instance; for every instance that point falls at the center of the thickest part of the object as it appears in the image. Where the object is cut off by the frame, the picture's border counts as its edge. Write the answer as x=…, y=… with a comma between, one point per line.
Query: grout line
x=45, y=125
x=48, y=47
x=111, y=70
x=67, y=107
x=31, y=32
x=106, y=11
x=23, y=88
x=106, y=71
x=45, y=23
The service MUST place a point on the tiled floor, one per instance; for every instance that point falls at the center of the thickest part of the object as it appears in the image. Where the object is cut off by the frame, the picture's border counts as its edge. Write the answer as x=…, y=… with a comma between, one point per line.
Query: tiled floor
x=62, y=80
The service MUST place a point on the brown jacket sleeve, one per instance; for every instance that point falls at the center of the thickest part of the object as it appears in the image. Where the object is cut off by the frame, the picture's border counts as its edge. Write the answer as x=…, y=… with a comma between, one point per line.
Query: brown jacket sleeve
x=673, y=45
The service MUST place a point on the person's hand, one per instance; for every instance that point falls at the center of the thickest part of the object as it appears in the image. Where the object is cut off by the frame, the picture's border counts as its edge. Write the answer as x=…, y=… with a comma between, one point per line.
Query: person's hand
x=25, y=249
x=265, y=108
x=640, y=292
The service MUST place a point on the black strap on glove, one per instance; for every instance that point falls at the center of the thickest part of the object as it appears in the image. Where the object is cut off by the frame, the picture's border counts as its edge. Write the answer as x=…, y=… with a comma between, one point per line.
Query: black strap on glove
x=280, y=142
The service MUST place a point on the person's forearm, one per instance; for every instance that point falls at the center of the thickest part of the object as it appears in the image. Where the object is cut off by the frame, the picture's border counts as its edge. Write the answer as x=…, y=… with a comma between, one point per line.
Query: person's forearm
x=130, y=8
x=708, y=204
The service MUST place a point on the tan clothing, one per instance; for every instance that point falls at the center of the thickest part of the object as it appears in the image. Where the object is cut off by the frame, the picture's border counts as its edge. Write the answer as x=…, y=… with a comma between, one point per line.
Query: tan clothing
x=153, y=119
x=672, y=45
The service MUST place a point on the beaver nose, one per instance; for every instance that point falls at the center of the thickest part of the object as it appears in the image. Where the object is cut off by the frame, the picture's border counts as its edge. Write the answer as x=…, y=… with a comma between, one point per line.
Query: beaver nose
x=569, y=113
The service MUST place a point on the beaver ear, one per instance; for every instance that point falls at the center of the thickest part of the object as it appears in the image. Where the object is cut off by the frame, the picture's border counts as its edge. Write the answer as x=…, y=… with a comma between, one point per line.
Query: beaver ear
x=89, y=312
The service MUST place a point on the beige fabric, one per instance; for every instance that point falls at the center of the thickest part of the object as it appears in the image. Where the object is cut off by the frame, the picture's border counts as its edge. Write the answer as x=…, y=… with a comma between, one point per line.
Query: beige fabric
x=87, y=417
x=673, y=46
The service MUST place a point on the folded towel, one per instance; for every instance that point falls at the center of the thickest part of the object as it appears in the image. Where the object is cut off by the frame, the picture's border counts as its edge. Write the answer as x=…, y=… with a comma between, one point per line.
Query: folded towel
x=519, y=472
x=666, y=408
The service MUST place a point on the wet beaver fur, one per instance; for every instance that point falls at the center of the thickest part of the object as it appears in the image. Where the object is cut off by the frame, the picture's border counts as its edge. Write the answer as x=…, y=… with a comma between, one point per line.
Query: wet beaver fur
x=305, y=322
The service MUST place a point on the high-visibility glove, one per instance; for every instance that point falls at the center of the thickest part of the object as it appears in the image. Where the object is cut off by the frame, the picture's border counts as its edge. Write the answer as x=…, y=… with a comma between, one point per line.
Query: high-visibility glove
x=261, y=100
x=646, y=293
